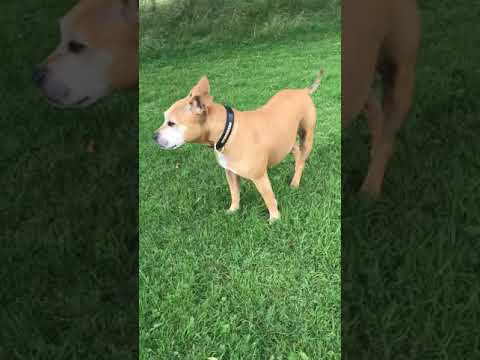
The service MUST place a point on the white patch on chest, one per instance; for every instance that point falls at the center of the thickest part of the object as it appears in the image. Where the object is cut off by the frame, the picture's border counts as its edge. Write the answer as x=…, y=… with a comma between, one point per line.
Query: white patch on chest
x=221, y=159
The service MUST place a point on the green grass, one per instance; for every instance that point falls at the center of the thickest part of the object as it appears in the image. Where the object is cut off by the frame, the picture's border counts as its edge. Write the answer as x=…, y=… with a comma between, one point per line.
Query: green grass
x=410, y=262
x=233, y=286
x=69, y=218
x=167, y=26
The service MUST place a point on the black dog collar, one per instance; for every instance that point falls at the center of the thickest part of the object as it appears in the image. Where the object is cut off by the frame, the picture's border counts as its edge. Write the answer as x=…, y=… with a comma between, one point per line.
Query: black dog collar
x=227, y=131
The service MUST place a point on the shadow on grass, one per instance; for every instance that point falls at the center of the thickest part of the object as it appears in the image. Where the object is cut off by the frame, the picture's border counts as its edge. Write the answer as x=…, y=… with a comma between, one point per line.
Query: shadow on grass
x=410, y=280
x=69, y=225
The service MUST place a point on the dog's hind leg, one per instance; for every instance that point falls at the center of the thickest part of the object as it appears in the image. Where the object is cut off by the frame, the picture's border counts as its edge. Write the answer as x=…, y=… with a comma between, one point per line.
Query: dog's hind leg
x=396, y=105
x=297, y=156
x=374, y=114
x=399, y=78
x=302, y=150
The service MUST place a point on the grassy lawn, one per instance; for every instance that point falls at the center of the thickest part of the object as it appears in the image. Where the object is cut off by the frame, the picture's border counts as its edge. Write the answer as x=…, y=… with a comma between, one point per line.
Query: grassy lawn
x=69, y=217
x=410, y=262
x=233, y=286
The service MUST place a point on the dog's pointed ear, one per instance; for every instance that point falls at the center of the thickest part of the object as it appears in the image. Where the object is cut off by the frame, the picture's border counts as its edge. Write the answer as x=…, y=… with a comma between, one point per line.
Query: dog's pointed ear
x=130, y=10
x=204, y=86
x=200, y=96
x=198, y=105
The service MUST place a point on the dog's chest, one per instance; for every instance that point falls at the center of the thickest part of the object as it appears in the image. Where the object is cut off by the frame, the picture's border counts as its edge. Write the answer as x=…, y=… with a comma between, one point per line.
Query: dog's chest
x=224, y=162
x=221, y=159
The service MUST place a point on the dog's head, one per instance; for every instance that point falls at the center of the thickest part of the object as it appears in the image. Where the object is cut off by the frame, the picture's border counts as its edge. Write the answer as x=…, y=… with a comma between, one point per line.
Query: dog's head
x=184, y=122
x=97, y=53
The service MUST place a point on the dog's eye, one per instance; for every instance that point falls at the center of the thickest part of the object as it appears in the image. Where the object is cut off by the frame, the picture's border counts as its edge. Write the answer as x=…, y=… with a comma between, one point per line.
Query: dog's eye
x=170, y=123
x=76, y=47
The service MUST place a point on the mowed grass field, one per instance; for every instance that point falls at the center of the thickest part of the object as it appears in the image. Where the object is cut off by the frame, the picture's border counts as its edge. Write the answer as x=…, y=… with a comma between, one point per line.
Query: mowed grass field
x=410, y=262
x=233, y=286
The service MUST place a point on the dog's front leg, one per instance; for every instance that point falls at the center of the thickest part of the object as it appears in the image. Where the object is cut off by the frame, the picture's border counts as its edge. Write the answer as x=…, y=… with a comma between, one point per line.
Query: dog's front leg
x=234, y=185
x=265, y=189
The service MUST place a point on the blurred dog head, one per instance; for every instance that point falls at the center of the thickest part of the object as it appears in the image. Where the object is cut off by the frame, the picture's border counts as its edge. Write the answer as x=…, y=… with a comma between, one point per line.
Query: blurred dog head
x=97, y=53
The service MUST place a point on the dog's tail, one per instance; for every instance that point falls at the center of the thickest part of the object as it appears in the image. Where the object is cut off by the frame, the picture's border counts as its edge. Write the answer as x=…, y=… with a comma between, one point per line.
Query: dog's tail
x=312, y=88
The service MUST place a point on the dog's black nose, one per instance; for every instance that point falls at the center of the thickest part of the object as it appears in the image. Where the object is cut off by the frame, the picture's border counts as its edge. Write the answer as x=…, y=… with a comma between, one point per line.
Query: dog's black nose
x=155, y=137
x=39, y=75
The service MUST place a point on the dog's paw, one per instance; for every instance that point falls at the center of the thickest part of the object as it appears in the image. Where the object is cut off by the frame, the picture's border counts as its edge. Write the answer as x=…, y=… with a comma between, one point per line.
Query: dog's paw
x=274, y=218
x=294, y=185
x=367, y=194
x=232, y=209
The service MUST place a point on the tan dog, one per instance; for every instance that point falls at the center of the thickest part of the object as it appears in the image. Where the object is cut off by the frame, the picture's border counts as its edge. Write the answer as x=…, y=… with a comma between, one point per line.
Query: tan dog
x=98, y=53
x=384, y=36
x=258, y=140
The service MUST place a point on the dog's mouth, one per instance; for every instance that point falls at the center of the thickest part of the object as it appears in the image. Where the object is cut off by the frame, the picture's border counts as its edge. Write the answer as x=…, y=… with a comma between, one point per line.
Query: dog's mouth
x=82, y=101
x=165, y=147
x=57, y=103
x=169, y=147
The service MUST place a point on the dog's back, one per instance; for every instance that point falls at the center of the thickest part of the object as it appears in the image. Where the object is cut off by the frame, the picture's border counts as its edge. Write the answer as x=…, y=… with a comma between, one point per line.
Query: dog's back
x=293, y=105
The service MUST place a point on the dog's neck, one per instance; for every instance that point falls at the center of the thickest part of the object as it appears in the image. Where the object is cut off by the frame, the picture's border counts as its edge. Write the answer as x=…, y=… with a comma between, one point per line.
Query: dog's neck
x=214, y=123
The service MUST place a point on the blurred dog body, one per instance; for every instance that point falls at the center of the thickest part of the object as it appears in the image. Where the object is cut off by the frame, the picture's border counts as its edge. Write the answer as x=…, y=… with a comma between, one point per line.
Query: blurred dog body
x=379, y=36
